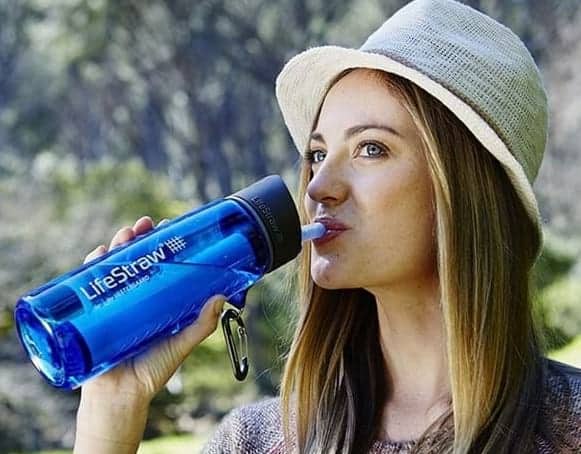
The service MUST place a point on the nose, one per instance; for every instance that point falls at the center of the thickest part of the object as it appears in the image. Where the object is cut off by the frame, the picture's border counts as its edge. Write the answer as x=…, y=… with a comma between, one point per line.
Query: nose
x=328, y=185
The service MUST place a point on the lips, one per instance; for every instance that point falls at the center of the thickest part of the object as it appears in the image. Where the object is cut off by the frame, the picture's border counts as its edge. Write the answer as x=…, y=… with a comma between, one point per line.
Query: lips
x=333, y=229
x=331, y=223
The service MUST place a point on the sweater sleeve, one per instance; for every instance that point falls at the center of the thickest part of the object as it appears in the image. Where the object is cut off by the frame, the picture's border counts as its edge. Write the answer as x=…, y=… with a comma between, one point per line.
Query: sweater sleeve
x=253, y=428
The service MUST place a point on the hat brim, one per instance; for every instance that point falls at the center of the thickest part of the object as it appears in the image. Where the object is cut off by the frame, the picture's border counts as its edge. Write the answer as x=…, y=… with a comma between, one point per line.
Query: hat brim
x=304, y=81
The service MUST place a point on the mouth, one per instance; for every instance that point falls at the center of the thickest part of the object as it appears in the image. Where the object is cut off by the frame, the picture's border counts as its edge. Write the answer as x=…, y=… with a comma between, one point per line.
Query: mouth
x=328, y=236
x=333, y=227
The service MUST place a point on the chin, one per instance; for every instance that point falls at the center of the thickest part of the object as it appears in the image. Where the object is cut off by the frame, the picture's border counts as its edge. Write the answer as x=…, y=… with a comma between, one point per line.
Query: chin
x=331, y=273
x=328, y=285
x=329, y=282
x=323, y=280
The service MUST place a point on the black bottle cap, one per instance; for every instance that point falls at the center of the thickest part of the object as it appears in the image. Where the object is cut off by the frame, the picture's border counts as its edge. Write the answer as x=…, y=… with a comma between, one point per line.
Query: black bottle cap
x=271, y=201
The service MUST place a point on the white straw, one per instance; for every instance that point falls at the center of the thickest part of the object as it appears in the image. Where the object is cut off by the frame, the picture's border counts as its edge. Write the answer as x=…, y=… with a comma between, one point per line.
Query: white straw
x=312, y=231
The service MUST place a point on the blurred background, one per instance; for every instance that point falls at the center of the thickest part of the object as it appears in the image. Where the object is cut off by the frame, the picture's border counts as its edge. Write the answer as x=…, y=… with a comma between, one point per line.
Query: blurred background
x=110, y=110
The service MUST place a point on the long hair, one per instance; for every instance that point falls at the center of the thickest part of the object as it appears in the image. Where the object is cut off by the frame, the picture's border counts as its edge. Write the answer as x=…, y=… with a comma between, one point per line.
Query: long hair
x=334, y=380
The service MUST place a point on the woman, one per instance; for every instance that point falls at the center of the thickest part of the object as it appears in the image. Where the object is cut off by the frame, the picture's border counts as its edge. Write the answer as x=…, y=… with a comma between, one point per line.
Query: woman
x=416, y=331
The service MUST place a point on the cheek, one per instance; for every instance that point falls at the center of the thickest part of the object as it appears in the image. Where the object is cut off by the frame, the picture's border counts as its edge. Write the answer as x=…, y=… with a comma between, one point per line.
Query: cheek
x=400, y=224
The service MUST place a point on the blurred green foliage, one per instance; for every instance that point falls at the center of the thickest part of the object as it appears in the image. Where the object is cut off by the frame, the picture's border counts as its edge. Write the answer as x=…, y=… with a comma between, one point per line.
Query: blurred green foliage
x=562, y=316
x=558, y=287
x=557, y=259
x=131, y=189
x=570, y=354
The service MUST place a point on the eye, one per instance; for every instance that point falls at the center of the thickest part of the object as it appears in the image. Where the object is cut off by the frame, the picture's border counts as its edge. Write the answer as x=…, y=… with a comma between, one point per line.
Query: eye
x=315, y=156
x=372, y=149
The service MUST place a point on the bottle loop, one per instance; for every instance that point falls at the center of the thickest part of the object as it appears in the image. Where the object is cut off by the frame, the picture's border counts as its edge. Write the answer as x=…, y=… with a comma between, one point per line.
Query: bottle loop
x=239, y=361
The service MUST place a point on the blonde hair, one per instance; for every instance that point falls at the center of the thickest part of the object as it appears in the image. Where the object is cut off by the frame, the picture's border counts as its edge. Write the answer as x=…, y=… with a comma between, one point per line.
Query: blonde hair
x=334, y=380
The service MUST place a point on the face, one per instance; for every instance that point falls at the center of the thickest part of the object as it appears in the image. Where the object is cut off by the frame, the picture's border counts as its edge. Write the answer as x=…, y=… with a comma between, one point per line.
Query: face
x=370, y=175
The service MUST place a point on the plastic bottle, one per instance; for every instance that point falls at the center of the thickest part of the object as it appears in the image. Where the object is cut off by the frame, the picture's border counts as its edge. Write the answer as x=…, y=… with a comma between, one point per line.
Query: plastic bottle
x=86, y=321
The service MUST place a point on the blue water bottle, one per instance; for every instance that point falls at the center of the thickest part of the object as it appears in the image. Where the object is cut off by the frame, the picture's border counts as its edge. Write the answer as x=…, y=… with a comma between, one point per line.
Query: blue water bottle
x=85, y=322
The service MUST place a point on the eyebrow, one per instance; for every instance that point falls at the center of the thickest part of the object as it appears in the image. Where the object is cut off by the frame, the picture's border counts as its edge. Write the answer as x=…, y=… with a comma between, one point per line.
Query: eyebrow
x=357, y=130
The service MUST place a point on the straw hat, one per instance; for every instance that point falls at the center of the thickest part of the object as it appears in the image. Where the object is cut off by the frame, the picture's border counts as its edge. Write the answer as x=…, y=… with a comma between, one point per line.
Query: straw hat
x=476, y=67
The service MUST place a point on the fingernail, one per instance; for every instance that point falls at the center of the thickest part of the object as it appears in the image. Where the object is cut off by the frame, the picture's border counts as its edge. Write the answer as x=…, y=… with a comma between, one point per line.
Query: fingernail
x=160, y=223
x=142, y=218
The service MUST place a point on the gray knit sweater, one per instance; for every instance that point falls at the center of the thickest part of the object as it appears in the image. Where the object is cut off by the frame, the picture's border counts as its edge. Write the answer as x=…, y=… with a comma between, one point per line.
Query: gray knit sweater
x=257, y=428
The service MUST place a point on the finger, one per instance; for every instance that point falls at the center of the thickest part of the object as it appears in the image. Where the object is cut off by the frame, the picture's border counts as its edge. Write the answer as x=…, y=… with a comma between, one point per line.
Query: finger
x=143, y=225
x=98, y=251
x=163, y=221
x=122, y=236
x=205, y=324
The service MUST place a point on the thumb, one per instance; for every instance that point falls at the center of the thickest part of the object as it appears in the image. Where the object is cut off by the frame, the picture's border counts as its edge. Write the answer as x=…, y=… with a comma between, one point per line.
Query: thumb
x=214, y=308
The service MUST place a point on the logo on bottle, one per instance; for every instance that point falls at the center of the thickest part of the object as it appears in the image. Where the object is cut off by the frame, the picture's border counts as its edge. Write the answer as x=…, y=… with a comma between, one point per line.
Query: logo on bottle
x=124, y=277
x=269, y=217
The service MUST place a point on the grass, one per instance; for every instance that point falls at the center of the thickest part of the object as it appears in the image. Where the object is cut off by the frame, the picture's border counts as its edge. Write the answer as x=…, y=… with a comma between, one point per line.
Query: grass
x=186, y=444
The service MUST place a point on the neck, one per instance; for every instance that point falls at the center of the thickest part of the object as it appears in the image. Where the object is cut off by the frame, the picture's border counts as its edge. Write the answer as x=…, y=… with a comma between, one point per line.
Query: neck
x=413, y=342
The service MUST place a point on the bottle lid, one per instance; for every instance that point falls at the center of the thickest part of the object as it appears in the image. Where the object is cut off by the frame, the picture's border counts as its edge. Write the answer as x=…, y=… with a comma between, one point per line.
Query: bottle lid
x=270, y=199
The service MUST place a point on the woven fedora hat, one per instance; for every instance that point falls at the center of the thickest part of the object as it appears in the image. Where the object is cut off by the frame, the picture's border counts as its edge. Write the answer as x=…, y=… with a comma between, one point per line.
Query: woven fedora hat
x=475, y=66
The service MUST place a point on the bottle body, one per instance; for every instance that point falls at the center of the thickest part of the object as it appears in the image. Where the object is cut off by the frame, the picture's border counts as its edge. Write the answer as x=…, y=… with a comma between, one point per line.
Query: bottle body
x=89, y=320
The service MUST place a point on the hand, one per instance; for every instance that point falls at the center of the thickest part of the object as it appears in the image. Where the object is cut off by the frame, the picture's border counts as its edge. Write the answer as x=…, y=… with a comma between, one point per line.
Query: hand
x=141, y=377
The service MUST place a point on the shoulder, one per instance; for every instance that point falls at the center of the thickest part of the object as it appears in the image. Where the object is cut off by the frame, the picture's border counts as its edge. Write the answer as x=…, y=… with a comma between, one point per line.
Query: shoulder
x=255, y=428
x=561, y=412
x=563, y=384
x=261, y=418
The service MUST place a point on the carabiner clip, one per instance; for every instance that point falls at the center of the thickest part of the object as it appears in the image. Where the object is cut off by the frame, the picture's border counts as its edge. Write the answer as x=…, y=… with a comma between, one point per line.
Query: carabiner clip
x=239, y=364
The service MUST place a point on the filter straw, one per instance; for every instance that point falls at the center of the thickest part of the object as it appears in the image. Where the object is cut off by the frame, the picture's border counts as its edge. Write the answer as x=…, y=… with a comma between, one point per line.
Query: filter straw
x=312, y=231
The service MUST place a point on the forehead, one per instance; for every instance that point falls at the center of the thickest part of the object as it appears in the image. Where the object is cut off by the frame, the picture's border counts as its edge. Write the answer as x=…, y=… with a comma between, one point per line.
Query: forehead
x=361, y=96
